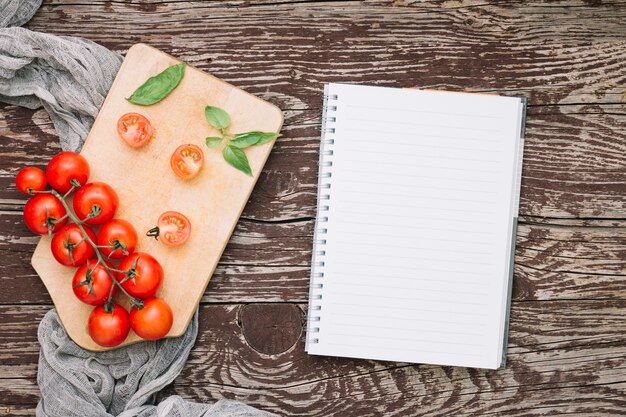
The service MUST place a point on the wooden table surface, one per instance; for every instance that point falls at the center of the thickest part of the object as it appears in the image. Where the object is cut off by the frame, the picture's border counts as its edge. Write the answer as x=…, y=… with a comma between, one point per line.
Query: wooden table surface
x=567, y=345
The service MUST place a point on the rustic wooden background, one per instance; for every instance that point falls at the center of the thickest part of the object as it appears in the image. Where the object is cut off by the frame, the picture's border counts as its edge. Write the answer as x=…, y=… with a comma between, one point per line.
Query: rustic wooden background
x=567, y=352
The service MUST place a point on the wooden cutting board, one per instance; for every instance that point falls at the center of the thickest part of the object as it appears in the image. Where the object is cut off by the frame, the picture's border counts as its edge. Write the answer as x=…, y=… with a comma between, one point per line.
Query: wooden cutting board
x=213, y=201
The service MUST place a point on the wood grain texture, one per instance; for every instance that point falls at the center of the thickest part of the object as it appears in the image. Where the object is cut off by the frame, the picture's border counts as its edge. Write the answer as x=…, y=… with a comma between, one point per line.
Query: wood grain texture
x=567, y=335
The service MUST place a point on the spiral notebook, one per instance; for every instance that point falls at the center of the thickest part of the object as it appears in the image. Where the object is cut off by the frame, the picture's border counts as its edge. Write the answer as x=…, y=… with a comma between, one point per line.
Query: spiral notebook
x=415, y=232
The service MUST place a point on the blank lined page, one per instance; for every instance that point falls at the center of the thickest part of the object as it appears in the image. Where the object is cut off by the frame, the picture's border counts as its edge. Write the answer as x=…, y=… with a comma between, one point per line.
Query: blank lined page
x=418, y=202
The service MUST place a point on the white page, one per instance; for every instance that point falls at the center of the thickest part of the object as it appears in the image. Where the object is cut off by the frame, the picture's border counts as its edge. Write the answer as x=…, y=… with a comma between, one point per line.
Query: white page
x=422, y=199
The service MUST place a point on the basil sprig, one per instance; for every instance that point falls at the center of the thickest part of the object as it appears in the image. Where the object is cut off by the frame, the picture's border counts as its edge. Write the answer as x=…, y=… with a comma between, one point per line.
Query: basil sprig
x=158, y=87
x=233, y=151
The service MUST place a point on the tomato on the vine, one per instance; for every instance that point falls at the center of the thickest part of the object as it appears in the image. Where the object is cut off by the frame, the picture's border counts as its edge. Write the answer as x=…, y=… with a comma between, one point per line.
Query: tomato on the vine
x=153, y=320
x=70, y=248
x=43, y=214
x=135, y=129
x=95, y=288
x=106, y=328
x=187, y=161
x=96, y=199
x=172, y=227
x=117, y=238
x=64, y=168
x=30, y=179
x=142, y=275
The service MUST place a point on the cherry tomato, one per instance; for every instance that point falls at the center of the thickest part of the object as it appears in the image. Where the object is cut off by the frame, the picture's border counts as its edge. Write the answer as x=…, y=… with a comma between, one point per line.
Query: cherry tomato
x=69, y=248
x=65, y=167
x=93, y=290
x=142, y=275
x=108, y=329
x=98, y=195
x=173, y=228
x=118, y=238
x=135, y=129
x=152, y=321
x=187, y=161
x=42, y=213
x=30, y=179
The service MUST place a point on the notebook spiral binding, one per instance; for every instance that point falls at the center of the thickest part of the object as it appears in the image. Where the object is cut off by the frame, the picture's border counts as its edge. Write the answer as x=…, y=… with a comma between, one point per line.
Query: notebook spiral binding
x=329, y=120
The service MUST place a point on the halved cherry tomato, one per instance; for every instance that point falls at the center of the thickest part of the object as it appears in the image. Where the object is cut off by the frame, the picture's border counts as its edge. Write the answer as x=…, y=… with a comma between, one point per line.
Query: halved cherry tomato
x=153, y=320
x=117, y=238
x=187, y=161
x=142, y=275
x=173, y=228
x=69, y=247
x=135, y=129
x=95, y=288
x=109, y=329
x=64, y=168
x=30, y=179
x=42, y=213
x=98, y=197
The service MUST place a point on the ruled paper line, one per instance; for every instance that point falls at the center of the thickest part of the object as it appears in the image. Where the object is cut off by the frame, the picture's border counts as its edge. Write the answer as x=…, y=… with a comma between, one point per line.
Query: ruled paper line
x=415, y=111
x=430, y=249
x=414, y=268
x=448, y=281
x=431, y=177
x=462, y=200
x=405, y=185
x=395, y=164
x=369, y=326
x=446, y=291
x=449, y=158
x=404, y=349
x=409, y=339
x=377, y=296
x=429, y=320
x=389, y=132
x=412, y=124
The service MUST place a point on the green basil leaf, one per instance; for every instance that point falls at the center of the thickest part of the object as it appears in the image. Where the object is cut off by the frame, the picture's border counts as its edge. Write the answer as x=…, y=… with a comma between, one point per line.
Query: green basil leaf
x=217, y=117
x=237, y=158
x=213, y=141
x=158, y=87
x=267, y=137
x=243, y=140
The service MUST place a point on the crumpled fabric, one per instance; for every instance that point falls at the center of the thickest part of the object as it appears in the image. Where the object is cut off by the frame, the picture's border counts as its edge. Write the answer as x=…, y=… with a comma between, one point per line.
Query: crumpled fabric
x=70, y=77
x=75, y=382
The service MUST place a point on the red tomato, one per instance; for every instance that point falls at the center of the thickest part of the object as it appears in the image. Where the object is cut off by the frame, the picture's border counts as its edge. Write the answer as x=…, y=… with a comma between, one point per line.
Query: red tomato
x=117, y=238
x=42, y=212
x=98, y=195
x=173, y=228
x=187, y=161
x=108, y=329
x=95, y=289
x=30, y=179
x=142, y=275
x=69, y=247
x=153, y=320
x=135, y=129
x=65, y=167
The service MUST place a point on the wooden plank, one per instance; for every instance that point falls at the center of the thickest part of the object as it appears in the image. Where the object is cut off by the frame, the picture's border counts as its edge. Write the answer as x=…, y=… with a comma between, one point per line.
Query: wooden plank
x=573, y=164
x=288, y=48
x=270, y=262
x=559, y=350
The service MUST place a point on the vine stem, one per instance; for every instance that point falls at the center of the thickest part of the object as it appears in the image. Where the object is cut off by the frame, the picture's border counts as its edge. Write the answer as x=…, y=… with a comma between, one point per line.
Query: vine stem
x=96, y=248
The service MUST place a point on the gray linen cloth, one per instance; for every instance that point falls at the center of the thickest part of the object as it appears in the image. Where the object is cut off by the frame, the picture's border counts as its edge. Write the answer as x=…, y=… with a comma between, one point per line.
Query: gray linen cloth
x=70, y=78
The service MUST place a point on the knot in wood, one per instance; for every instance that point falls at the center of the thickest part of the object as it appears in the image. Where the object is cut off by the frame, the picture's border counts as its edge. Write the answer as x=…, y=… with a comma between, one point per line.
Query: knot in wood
x=271, y=328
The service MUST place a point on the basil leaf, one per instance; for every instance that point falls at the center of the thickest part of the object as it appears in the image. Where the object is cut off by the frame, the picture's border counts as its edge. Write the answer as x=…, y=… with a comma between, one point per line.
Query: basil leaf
x=267, y=137
x=237, y=158
x=213, y=141
x=243, y=140
x=217, y=117
x=158, y=87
